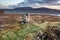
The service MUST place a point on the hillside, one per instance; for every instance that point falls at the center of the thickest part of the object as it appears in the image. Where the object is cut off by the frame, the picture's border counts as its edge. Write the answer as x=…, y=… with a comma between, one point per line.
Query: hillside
x=25, y=31
x=9, y=18
x=11, y=27
x=19, y=32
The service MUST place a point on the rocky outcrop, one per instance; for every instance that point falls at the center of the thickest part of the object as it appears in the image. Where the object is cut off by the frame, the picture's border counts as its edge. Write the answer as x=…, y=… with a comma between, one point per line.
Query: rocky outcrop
x=51, y=33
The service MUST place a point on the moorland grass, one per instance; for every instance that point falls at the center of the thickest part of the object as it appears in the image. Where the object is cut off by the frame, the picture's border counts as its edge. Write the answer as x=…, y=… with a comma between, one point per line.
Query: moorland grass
x=22, y=31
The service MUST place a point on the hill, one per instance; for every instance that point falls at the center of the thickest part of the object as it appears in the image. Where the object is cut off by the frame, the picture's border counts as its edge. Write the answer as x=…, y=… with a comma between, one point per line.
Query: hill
x=38, y=10
x=24, y=10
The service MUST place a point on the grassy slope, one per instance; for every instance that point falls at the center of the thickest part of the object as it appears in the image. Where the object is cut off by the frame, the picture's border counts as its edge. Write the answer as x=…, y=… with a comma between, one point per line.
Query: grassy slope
x=20, y=31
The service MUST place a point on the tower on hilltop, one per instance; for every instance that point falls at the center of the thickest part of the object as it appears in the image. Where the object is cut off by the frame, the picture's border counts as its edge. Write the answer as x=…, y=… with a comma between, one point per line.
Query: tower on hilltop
x=27, y=17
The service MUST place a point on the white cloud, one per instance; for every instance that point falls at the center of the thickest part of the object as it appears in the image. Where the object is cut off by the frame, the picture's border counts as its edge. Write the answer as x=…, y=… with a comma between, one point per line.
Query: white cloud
x=53, y=7
x=32, y=3
x=58, y=2
x=10, y=2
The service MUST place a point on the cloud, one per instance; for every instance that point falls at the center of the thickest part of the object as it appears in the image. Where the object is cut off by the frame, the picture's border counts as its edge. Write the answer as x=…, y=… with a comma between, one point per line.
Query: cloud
x=36, y=3
x=53, y=7
x=43, y=1
x=28, y=3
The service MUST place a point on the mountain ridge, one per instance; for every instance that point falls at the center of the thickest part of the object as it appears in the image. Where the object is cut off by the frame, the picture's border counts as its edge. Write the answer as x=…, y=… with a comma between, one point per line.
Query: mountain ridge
x=33, y=10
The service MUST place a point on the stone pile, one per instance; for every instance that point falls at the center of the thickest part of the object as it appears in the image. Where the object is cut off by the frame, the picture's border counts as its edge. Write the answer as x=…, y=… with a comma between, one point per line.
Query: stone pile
x=51, y=33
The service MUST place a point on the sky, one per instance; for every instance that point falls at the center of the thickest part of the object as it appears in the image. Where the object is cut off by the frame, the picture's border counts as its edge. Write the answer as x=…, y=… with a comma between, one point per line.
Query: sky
x=55, y=4
x=10, y=2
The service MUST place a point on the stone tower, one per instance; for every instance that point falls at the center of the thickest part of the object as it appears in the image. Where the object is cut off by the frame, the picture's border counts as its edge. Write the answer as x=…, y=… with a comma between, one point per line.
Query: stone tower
x=27, y=17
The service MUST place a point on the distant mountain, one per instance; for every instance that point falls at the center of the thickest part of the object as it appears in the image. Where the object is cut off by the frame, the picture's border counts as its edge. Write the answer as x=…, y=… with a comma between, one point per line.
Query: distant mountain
x=24, y=10
x=41, y=9
x=37, y=10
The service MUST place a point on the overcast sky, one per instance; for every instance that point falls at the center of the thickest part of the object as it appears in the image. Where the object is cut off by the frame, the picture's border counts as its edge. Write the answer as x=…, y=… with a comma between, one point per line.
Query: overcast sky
x=29, y=3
